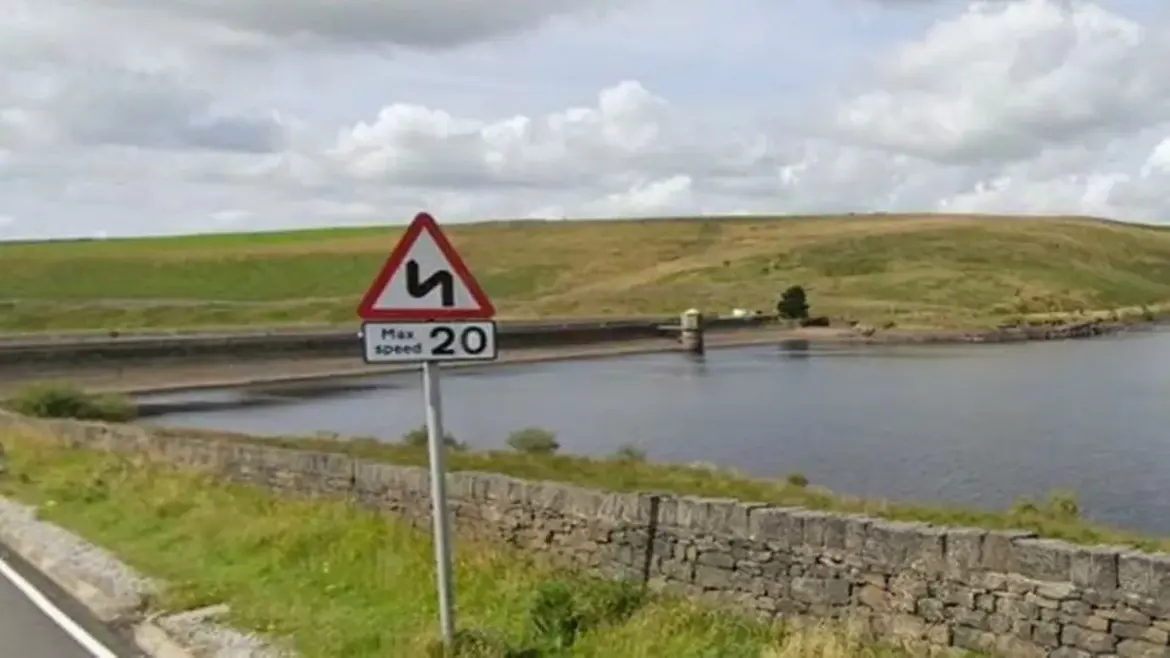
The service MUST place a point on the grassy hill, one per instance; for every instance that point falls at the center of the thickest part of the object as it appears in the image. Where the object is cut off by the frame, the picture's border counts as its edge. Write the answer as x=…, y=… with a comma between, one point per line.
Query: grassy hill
x=923, y=270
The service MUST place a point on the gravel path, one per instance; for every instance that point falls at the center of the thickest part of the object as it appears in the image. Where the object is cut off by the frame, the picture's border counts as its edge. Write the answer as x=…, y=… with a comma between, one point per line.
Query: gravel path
x=118, y=594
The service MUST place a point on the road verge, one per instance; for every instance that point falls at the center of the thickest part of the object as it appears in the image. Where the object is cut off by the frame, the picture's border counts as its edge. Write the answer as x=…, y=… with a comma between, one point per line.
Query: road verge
x=119, y=596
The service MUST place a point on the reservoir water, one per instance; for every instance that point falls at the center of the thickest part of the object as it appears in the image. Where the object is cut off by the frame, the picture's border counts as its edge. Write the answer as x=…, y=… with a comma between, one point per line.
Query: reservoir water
x=971, y=424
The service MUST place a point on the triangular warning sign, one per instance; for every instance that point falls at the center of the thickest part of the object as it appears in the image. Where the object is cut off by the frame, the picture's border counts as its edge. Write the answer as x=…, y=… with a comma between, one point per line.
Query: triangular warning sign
x=425, y=279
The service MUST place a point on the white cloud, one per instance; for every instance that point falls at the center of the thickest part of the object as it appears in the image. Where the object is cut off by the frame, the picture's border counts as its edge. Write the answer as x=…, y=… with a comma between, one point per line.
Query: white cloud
x=77, y=77
x=627, y=132
x=1159, y=160
x=191, y=115
x=1005, y=81
x=664, y=196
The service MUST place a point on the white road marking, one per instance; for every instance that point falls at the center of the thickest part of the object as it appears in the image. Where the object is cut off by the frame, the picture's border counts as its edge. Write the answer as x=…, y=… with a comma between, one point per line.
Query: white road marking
x=79, y=634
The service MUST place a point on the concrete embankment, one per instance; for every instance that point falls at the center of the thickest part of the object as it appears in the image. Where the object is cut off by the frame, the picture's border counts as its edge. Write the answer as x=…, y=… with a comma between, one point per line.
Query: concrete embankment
x=138, y=364
x=274, y=344
x=269, y=345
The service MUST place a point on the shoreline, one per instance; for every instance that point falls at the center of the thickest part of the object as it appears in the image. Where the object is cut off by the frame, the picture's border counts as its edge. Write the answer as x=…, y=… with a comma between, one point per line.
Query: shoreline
x=713, y=326
x=325, y=373
x=136, y=381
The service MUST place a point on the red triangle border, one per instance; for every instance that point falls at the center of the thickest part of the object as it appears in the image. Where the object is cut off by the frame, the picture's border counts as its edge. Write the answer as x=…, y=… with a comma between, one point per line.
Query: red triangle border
x=424, y=222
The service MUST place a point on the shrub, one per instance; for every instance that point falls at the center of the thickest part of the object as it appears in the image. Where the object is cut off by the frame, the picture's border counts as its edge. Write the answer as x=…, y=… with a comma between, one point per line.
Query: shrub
x=1062, y=505
x=1058, y=506
x=629, y=453
x=818, y=321
x=418, y=438
x=793, y=304
x=66, y=401
x=534, y=441
x=1025, y=507
x=797, y=480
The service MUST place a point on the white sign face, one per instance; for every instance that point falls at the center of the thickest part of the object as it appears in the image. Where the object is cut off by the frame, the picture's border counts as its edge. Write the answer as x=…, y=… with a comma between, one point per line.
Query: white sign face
x=428, y=280
x=408, y=342
x=424, y=280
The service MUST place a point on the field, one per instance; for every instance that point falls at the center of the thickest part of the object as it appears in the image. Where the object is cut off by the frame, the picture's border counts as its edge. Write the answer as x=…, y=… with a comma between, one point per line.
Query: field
x=339, y=581
x=916, y=271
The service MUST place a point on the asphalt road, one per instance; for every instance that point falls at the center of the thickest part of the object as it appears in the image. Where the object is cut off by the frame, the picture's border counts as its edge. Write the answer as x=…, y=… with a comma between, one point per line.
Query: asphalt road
x=29, y=630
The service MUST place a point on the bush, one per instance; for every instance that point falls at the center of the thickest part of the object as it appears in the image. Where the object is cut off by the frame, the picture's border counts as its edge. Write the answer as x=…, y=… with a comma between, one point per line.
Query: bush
x=793, y=304
x=534, y=441
x=1058, y=506
x=1063, y=505
x=629, y=453
x=418, y=438
x=67, y=401
x=797, y=480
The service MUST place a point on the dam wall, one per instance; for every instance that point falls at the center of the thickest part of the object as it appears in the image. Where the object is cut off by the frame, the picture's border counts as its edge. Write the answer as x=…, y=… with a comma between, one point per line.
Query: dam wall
x=260, y=345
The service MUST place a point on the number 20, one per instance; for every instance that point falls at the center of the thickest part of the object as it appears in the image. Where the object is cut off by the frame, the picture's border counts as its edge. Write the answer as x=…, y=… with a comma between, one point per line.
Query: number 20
x=473, y=340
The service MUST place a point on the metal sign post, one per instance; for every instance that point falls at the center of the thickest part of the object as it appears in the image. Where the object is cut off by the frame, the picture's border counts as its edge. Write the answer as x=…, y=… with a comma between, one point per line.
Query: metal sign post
x=442, y=525
x=426, y=307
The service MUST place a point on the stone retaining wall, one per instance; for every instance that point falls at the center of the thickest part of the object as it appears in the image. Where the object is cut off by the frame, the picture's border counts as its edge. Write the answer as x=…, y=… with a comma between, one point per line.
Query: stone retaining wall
x=1002, y=592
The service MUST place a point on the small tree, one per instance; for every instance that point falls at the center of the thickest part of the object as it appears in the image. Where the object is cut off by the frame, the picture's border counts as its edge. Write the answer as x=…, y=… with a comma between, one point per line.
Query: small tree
x=793, y=304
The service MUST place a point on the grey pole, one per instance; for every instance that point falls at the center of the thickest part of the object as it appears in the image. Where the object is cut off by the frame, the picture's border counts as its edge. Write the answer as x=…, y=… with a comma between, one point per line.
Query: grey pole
x=442, y=524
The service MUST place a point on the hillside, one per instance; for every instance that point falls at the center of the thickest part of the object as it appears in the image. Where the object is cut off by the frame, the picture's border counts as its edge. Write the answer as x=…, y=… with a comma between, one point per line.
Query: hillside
x=926, y=270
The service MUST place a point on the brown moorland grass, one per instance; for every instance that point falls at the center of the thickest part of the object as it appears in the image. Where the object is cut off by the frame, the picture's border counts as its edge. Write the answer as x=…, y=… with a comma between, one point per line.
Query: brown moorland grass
x=914, y=270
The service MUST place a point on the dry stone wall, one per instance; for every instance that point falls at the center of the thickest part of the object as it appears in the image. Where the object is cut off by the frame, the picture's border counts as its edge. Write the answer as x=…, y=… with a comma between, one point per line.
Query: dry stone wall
x=1002, y=592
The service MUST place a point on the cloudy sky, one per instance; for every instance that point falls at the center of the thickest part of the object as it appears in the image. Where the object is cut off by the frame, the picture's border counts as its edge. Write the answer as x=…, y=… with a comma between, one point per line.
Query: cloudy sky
x=125, y=117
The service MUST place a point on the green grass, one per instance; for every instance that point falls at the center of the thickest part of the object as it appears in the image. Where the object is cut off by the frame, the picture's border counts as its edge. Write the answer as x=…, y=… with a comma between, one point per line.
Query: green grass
x=57, y=400
x=917, y=271
x=1058, y=516
x=341, y=581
